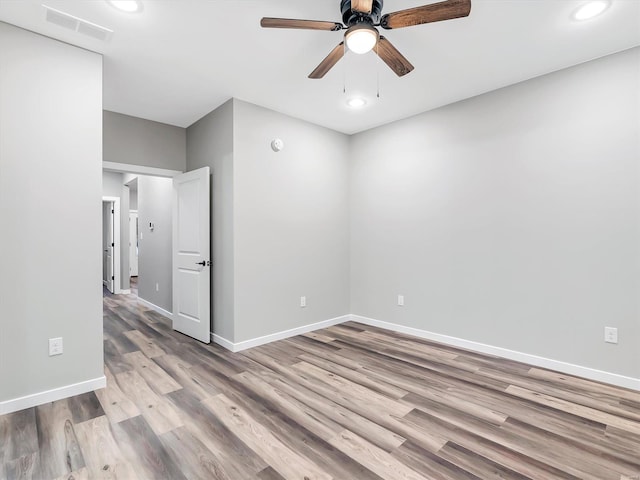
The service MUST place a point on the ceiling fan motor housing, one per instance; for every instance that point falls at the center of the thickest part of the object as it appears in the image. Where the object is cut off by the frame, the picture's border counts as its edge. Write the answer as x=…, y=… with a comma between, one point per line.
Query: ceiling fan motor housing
x=350, y=18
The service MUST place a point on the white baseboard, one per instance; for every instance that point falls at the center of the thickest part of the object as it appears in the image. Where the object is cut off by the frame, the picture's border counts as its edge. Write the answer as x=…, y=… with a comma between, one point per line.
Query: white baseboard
x=223, y=342
x=155, y=307
x=563, y=367
x=47, y=396
x=255, y=342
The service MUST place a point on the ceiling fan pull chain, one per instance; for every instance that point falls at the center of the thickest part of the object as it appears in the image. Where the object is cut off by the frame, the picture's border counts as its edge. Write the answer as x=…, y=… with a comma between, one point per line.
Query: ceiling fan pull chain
x=344, y=71
x=378, y=70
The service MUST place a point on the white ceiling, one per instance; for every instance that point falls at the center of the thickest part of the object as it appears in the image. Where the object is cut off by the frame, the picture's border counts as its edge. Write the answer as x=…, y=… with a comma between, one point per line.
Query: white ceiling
x=179, y=59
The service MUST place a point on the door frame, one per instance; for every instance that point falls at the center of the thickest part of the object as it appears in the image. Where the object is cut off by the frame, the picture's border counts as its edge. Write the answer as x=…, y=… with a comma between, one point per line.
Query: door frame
x=133, y=247
x=117, y=282
x=135, y=170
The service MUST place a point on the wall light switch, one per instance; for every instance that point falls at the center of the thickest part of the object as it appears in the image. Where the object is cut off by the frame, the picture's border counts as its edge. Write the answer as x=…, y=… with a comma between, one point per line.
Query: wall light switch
x=401, y=300
x=55, y=346
x=610, y=335
x=157, y=287
x=303, y=302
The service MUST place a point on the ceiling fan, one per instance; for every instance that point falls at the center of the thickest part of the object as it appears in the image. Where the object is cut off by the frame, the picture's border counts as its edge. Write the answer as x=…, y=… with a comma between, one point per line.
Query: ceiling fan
x=361, y=17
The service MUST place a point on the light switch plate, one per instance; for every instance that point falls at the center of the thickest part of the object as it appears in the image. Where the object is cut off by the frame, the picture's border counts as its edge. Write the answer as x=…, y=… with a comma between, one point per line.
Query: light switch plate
x=610, y=335
x=55, y=346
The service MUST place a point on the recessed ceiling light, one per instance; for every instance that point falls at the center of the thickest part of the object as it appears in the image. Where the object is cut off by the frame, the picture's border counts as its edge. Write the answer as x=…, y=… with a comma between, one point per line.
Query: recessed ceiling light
x=129, y=6
x=591, y=9
x=356, y=102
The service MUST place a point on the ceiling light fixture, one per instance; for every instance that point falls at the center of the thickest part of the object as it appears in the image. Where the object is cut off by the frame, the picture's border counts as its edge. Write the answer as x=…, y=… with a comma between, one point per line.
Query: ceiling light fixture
x=356, y=102
x=361, y=37
x=129, y=6
x=591, y=9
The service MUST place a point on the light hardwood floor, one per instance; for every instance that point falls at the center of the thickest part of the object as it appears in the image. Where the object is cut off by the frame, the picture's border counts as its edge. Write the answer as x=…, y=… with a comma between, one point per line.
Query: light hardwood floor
x=348, y=402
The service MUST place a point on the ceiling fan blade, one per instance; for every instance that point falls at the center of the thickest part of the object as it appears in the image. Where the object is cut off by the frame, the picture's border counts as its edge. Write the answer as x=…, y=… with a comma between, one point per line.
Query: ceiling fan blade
x=328, y=63
x=392, y=57
x=435, y=12
x=267, y=22
x=362, y=6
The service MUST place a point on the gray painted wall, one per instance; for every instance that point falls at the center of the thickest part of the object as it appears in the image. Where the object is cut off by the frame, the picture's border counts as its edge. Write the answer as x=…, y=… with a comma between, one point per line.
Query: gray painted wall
x=291, y=222
x=50, y=262
x=210, y=143
x=113, y=186
x=154, y=258
x=137, y=141
x=133, y=200
x=112, y=183
x=510, y=219
x=280, y=221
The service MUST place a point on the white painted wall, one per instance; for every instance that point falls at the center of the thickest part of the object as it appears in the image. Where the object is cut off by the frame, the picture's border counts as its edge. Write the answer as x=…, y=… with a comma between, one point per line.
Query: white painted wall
x=50, y=261
x=210, y=143
x=155, y=255
x=510, y=219
x=291, y=222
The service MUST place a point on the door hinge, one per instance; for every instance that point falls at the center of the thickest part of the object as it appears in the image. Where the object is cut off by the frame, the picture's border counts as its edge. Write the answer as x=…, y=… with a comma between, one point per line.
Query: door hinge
x=113, y=244
x=112, y=277
x=113, y=211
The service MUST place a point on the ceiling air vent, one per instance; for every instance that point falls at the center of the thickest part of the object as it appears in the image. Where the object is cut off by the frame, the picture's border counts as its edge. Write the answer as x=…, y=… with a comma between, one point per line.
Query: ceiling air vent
x=76, y=24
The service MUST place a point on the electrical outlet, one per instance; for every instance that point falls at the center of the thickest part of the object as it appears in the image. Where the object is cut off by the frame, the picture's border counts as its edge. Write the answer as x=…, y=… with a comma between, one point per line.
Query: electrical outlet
x=610, y=335
x=401, y=300
x=303, y=302
x=157, y=287
x=55, y=346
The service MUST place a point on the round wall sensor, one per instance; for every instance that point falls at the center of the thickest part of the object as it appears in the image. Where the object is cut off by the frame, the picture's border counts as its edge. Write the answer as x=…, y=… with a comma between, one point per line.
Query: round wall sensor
x=277, y=145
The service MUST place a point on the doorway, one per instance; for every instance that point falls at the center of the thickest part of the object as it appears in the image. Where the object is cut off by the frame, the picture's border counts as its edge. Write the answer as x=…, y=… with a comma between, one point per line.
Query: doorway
x=111, y=244
x=134, y=232
x=133, y=243
x=153, y=207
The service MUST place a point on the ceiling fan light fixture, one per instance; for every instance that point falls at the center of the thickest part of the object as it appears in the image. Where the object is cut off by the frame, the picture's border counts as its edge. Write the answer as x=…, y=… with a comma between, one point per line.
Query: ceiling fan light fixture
x=591, y=9
x=361, y=38
x=128, y=6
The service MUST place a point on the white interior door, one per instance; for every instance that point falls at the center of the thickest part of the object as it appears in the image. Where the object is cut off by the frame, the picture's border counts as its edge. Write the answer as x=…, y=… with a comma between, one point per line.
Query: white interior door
x=133, y=244
x=191, y=255
x=105, y=249
x=108, y=245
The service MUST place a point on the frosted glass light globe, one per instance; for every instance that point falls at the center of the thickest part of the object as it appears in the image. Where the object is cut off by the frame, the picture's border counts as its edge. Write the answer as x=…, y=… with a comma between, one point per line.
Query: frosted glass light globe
x=361, y=38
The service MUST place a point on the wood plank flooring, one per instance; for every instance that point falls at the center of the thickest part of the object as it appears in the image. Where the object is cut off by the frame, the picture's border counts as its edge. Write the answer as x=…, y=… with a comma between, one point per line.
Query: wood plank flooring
x=347, y=402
